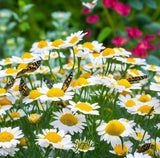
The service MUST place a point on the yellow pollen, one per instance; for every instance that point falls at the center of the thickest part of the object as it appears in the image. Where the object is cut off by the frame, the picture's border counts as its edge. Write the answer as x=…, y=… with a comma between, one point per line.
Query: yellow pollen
x=96, y=55
x=158, y=82
x=145, y=109
x=45, y=71
x=83, y=145
x=120, y=150
x=88, y=45
x=69, y=119
x=0, y=106
x=139, y=135
x=61, y=71
x=124, y=82
x=34, y=94
x=90, y=64
x=108, y=51
x=57, y=43
x=46, y=56
x=73, y=40
x=22, y=66
x=69, y=64
x=53, y=137
x=15, y=115
x=115, y=128
x=6, y=136
x=152, y=67
x=34, y=118
x=27, y=56
x=144, y=98
x=158, y=77
x=55, y=92
x=131, y=60
x=84, y=107
x=4, y=80
x=11, y=71
x=76, y=50
x=42, y=44
x=5, y=102
x=81, y=81
x=54, y=54
x=41, y=68
x=16, y=88
x=2, y=90
x=124, y=93
x=130, y=103
x=7, y=60
x=86, y=75
x=135, y=72
x=24, y=142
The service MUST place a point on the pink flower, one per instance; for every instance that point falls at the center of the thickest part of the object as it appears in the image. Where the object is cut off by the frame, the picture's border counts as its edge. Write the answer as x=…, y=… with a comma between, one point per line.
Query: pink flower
x=158, y=43
x=151, y=47
x=133, y=32
x=142, y=44
x=149, y=37
x=139, y=52
x=85, y=10
x=88, y=34
x=119, y=41
x=110, y=3
x=158, y=34
x=92, y=19
x=122, y=9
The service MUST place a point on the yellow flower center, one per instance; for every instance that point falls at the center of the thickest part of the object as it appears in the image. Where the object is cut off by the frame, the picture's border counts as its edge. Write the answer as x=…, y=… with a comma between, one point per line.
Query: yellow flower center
x=130, y=103
x=95, y=55
x=144, y=98
x=81, y=81
x=135, y=72
x=57, y=43
x=84, y=107
x=5, y=102
x=108, y=51
x=46, y=56
x=152, y=67
x=124, y=82
x=86, y=75
x=4, y=80
x=24, y=142
x=54, y=54
x=73, y=40
x=2, y=90
x=88, y=45
x=55, y=92
x=139, y=135
x=115, y=128
x=7, y=60
x=76, y=50
x=53, y=137
x=131, y=60
x=34, y=118
x=6, y=136
x=90, y=64
x=0, y=106
x=16, y=88
x=42, y=44
x=15, y=115
x=119, y=150
x=22, y=66
x=11, y=71
x=69, y=119
x=83, y=145
x=27, y=56
x=69, y=64
x=61, y=71
x=145, y=109
x=124, y=93
x=34, y=94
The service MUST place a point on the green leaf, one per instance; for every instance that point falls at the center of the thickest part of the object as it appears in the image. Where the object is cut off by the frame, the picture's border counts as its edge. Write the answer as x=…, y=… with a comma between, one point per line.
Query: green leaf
x=11, y=25
x=27, y=7
x=143, y=18
x=151, y=3
x=103, y=34
x=153, y=60
x=136, y=4
x=153, y=27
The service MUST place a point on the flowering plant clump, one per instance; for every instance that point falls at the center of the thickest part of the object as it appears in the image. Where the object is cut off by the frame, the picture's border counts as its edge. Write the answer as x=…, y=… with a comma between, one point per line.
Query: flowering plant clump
x=99, y=102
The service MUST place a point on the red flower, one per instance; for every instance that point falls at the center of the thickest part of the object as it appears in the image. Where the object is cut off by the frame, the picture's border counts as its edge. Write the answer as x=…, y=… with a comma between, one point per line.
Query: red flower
x=119, y=41
x=158, y=34
x=151, y=47
x=85, y=10
x=92, y=19
x=133, y=32
x=110, y=3
x=149, y=37
x=122, y=9
x=139, y=52
x=88, y=34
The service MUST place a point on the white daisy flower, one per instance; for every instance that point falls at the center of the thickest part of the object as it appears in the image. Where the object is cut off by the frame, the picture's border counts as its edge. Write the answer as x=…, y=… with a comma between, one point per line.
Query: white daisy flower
x=8, y=151
x=58, y=44
x=155, y=86
x=74, y=38
x=153, y=68
x=9, y=72
x=69, y=122
x=120, y=150
x=109, y=53
x=51, y=137
x=135, y=72
x=79, y=52
x=3, y=92
x=85, y=108
x=111, y=131
x=12, y=60
x=47, y=55
x=122, y=52
x=34, y=118
x=9, y=137
x=138, y=155
x=157, y=78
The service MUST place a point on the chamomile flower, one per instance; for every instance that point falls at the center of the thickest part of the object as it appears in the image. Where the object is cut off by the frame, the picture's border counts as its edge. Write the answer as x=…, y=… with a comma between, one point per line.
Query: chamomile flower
x=40, y=47
x=122, y=52
x=135, y=72
x=83, y=145
x=8, y=151
x=9, y=72
x=138, y=155
x=109, y=53
x=157, y=78
x=69, y=122
x=120, y=150
x=155, y=86
x=9, y=137
x=85, y=108
x=74, y=38
x=34, y=118
x=79, y=51
x=58, y=44
x=3, y=92
x=4, y=108
x=9, y=60
x=55, y=139
x=153, y=68
x=47, y=55
x=112, y=130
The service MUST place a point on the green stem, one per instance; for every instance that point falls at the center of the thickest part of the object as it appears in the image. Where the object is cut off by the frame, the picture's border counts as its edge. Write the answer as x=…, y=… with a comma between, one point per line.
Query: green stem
x=74, y=60
x=60, y=62
x=79, y=64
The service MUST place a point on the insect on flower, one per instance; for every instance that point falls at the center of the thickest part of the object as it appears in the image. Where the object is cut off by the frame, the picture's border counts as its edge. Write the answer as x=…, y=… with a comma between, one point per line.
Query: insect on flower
x=144, y=147
x=47, y=82
x=23, y=88
x=67, y=81
x=136, y=78
x=9, y=84
x=90, y=5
